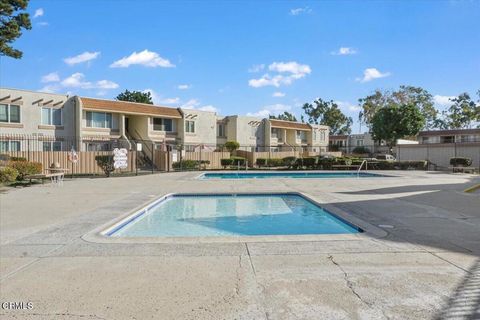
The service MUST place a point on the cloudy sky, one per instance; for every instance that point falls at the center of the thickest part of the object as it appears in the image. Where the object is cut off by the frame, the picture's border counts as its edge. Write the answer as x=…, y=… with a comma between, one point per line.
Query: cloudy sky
x=248, y=57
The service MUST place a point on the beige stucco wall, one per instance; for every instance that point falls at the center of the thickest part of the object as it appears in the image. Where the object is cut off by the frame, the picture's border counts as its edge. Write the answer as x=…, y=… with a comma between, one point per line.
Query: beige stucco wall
x=31, y=113
x=205, y=127
x=239, y=128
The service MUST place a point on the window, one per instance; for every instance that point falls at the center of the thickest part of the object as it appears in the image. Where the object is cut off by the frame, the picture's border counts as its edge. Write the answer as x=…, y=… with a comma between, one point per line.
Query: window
x=190, y=126
x=301, y=135
x=359, y=143
x=221, y=130
x=275, y=132
x=52, y=146
x=6, y=146
x=447, y=139
x=9, y=113
x=161, y=124
x=99, y=119
x=322, y=135
x=52, y=116
x=253, y=131
x=98, y=146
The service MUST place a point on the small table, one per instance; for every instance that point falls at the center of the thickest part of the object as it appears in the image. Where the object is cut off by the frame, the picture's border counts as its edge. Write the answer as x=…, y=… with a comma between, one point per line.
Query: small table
x=57, y=175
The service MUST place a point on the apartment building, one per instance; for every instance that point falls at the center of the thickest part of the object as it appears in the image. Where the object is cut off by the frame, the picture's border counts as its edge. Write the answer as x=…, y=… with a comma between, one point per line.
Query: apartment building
x=37, y=121
x=449, y=136
x=348, y=143
x=280, y=134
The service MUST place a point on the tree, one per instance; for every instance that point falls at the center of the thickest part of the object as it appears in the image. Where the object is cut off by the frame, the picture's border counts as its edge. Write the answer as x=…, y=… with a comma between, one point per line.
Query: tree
x=135, y=96
x=462, y=113
x=11, y=24
x=416, y=96
x=394, y=122
x=287, y=116
x=328, y=113
x=231, y=146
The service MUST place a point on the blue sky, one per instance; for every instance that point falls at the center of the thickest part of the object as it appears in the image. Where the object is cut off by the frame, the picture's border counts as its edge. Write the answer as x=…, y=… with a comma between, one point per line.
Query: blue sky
x=249, y=57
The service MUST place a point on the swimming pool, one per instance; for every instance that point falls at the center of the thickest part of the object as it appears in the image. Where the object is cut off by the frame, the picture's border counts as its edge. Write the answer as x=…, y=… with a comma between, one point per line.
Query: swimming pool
x=288, y=175
x=195, y=215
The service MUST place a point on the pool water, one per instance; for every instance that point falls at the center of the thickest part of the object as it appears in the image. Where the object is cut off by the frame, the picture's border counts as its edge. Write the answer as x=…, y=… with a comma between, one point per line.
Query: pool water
x=266, y=175
x=231, y=215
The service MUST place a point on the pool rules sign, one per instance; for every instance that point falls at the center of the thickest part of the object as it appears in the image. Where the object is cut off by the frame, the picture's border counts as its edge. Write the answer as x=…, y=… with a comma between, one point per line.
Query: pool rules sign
x=120, y=158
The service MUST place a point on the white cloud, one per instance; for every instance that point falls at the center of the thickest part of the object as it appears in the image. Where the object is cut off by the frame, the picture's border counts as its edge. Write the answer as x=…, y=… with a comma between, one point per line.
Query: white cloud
x=42, y=24
x=256, y=68
x=106, y=84
x=344, y=51
x=77, y=80
x=443, y=101
x=347, y=106
x=51, y=88
x=83, y=57
x=158, y=99
x=208, y=108
x=51, y=77
x=38, y=13
x=370, y=74
x=278, y=94
x=190, y=104
x=287, y=72
x=298, y=11
x=145, y=58
x=184, y=87
x=273, y=109
x=292, y=67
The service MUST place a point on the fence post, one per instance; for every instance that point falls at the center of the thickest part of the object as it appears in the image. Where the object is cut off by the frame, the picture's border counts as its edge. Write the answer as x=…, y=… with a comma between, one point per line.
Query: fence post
x=153, y=156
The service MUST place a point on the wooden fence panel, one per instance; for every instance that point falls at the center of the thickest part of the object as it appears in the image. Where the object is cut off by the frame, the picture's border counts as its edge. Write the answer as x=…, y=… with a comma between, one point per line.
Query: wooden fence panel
x=86, y=160
x=213, y=157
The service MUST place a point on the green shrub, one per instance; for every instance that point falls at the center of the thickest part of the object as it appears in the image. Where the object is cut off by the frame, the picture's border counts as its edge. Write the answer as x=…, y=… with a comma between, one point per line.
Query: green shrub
x=460, y=162
x=361, y=150
x=275, y=162
x=25, y=168
x=8, y=174
x=309, y=162
x=186, y=164
x=18, y=159
x=238, y=161
x=289, y=161
x=261, y=162
x=333, y=147
x=325, y=163
x=411, y=165
x=231, y=145
x=106, y=163
x=226, y=162
x=4, y=157
x=385, y=165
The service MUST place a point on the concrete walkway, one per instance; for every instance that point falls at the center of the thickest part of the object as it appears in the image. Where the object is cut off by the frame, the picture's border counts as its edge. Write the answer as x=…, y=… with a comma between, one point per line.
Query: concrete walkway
x=427, y=267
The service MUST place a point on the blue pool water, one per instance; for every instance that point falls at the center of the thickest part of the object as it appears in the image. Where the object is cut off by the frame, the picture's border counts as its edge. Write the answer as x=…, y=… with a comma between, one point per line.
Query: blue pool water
x=266, y=175
x=231, y=215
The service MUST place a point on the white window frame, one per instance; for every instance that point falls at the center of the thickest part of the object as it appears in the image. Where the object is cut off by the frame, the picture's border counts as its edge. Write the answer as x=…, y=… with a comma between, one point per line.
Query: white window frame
x=105, y=122
x=189, y=124
x=162, y=125
x=50, y=116
x=221, y=133
x=9, y=113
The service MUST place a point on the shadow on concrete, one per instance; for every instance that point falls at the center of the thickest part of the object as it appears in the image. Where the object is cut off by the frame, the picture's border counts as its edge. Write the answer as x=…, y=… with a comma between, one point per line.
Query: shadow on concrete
x=465, y=302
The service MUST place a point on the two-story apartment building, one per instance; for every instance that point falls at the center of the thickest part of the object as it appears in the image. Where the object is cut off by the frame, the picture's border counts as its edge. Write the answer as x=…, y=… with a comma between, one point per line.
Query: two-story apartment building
x=449, y=136
x=37, y=121
x=280, y=134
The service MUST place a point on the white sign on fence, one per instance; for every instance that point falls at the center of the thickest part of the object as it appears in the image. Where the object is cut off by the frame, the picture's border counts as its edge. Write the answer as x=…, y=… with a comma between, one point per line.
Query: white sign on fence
x=120, y=158
x=174, y=156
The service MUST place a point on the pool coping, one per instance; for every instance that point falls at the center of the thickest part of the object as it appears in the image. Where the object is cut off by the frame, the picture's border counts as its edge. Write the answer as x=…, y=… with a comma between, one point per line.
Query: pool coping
x=380, y=174
x=99, y=234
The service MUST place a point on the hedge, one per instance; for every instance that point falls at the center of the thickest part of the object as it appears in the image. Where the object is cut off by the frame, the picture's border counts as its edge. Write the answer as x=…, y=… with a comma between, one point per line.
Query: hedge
x=289, y=161
x=238, y=161
x=189, y=164
x=460, y=162
x=360, y=150
x=8, y=174
x=25, y=168
x=261, y=162
x=226, y=162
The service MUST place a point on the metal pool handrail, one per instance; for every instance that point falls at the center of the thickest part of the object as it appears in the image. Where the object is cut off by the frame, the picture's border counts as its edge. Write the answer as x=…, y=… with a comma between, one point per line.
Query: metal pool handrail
x=360, y=168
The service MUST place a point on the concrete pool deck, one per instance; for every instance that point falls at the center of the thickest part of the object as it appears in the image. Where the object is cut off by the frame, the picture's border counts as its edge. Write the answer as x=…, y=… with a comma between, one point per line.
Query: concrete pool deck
x=427, y=266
